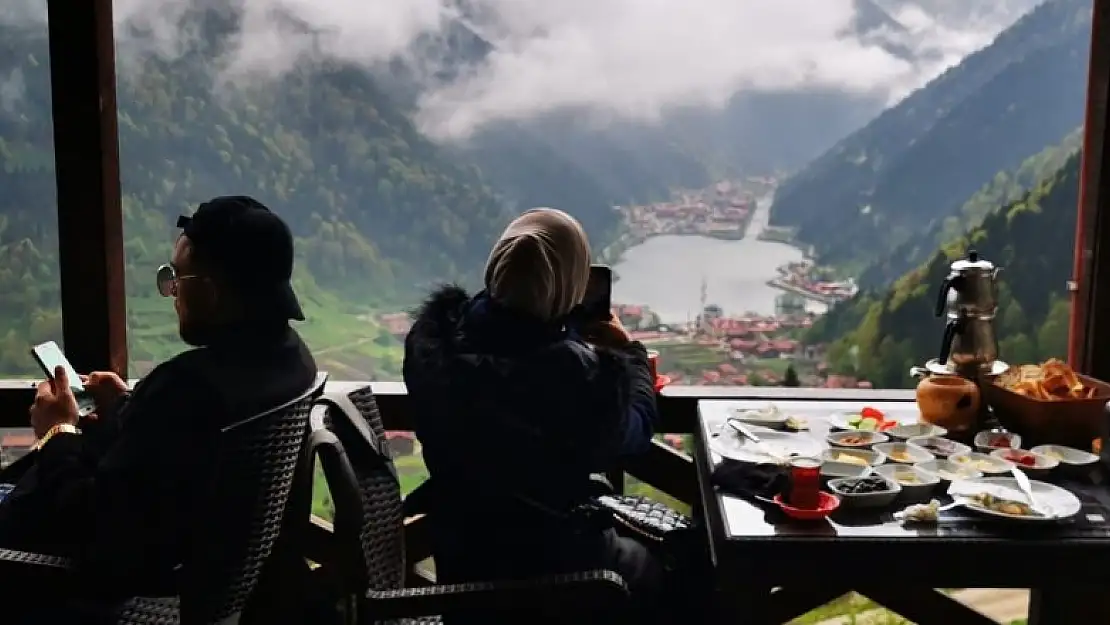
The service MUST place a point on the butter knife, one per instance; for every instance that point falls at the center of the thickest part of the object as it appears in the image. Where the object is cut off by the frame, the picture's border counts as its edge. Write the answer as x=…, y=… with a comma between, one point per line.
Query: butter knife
x=1027, y=488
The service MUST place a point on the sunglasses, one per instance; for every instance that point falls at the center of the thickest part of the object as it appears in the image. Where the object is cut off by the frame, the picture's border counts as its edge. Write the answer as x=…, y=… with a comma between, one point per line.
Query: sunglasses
x=167, y=279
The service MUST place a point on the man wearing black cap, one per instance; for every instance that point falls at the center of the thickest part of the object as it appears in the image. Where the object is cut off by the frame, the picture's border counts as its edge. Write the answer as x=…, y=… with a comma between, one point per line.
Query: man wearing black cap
x=117, y=494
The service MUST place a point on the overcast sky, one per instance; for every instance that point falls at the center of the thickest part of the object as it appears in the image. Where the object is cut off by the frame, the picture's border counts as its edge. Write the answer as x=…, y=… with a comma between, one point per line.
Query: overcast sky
x=629, y=57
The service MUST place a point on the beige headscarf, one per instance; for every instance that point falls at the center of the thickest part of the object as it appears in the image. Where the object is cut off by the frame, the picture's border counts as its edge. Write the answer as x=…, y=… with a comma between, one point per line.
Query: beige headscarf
x=541, y=264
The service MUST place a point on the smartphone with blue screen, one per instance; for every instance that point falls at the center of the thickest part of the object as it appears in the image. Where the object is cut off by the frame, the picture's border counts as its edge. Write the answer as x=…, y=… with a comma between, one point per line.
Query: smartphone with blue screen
x=50, y=356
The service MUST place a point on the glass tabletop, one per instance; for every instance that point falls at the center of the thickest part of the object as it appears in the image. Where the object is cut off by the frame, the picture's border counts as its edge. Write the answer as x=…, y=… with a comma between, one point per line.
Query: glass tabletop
x=745, y=520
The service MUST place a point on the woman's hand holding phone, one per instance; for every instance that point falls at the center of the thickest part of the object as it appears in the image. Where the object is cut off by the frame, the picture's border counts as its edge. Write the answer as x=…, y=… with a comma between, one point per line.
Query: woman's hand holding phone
x=609, y=333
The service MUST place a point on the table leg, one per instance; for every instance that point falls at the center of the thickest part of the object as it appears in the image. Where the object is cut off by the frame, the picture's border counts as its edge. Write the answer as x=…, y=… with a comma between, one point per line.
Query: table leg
x=1071, y=604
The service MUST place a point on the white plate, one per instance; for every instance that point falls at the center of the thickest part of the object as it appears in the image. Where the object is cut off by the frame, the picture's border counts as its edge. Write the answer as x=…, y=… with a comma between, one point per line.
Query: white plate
x=768, y=416
x=731, y=444
x=839, y=420
x=1056, y=502
x=1066, y=455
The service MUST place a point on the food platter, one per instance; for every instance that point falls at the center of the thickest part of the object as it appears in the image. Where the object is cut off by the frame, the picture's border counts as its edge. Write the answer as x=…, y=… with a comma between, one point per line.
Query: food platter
x=1054, y=502
x=734, y=446
x=867, y=419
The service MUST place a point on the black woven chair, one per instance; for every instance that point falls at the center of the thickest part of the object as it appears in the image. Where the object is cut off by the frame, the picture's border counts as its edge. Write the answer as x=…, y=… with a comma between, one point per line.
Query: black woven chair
x=231, y=539
x=369, y=531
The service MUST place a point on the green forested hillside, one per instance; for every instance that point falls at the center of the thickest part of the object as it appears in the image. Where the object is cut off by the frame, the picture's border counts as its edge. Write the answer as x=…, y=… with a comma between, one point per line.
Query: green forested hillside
x=880, y=335
x=378, y=210
x=919, y=160
x=1004, y=188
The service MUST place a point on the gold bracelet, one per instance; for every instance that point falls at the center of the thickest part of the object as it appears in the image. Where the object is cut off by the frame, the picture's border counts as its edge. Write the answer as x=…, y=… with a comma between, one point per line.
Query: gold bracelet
x=61, y=428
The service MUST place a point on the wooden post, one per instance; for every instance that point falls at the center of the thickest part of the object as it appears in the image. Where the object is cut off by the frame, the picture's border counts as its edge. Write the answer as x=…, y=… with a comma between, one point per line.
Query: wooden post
x=1090, y=285
x=86, y=156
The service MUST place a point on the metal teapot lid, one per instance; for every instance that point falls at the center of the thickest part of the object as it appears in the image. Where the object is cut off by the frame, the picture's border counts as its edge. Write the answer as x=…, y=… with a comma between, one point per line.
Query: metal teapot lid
x=972, y=263
x=935, y=367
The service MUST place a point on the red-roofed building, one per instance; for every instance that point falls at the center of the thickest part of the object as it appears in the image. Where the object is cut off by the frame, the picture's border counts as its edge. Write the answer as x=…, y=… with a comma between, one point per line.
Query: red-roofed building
x=15, y=445
x=397, y=324
x=401, y=443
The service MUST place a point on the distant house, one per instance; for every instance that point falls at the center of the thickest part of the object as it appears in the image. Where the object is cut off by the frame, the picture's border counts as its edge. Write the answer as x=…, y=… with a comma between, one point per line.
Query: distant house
x=14, y=445
x=840, y=381
x=401, y=443
x=397, y=324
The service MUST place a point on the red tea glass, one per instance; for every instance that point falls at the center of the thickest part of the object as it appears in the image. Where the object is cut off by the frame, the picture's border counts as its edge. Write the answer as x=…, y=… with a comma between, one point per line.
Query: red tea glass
x=805, y=483
x=653, y=364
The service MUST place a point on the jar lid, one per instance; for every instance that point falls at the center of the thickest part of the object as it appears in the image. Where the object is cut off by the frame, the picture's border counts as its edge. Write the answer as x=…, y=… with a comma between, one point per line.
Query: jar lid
x=972, y=262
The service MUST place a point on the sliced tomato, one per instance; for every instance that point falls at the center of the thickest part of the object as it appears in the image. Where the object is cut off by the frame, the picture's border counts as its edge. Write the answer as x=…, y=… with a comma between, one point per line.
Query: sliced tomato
x=872, y=413
x=888, y=425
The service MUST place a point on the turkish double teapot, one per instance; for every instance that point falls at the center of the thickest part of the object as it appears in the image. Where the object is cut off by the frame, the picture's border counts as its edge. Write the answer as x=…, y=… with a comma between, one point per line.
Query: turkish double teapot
x=968, y=301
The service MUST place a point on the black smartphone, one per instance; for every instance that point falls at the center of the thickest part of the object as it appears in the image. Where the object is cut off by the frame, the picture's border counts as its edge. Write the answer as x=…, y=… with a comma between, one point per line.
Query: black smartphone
x=597, y=303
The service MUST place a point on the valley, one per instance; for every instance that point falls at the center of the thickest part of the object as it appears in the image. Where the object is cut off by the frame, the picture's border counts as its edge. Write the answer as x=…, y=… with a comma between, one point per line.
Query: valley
x=716, y=218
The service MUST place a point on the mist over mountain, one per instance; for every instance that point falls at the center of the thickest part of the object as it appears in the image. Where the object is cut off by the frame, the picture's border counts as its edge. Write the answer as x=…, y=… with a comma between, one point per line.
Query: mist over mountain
x=920, y=160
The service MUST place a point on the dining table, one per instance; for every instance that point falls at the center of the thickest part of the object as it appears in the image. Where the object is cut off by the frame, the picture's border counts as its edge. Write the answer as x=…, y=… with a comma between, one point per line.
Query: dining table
x=770, y=568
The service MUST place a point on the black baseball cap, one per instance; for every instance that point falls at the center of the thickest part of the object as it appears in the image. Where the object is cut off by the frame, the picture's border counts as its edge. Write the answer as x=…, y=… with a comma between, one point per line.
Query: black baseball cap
x=250, y=246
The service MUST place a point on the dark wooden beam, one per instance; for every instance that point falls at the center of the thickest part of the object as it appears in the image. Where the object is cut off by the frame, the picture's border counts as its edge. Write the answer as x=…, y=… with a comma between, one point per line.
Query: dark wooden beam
x=1090, y=286
x=86, y=157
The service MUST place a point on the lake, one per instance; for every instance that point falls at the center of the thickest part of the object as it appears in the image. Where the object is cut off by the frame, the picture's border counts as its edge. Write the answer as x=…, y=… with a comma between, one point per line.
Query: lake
x=665, y=273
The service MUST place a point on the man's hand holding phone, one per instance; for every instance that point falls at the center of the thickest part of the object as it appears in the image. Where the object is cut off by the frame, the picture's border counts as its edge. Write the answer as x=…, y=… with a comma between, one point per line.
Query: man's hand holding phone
x=54, y=403
x=105, y=387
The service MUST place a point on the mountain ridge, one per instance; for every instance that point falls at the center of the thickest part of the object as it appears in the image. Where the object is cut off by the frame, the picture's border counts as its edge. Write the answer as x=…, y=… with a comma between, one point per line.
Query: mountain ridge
x=1022, y=92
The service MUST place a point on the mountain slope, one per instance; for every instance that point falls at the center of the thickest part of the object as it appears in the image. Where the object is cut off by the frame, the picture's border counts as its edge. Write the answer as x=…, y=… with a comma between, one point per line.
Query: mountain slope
x=1004, y=188
x=934, y=149
x=880, y=335
x=378, y=210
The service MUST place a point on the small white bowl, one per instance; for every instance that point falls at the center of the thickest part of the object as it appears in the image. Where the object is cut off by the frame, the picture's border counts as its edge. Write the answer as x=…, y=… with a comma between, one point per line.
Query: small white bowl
x=1067, y=456
x=837, y=470
x=912, y=430
x=919, y=485
x=865, y=500
x=856, y=440
x=983, y=438
x=872, y=458
x=1043, y=465
x=939, y=446
x=945, y=470
x=987, y=465
x=904, y=453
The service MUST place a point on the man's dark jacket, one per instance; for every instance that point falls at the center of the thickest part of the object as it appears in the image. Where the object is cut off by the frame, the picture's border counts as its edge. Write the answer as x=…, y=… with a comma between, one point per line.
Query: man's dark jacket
x=119, y=496
x=513, y=416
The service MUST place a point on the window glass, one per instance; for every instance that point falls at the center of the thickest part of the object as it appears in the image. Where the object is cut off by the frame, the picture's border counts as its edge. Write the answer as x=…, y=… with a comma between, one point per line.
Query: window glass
x=784, y=215
x=30, y=304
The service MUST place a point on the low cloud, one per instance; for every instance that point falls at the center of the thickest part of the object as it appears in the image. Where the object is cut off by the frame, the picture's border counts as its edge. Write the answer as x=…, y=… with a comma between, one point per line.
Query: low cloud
x=632, y=58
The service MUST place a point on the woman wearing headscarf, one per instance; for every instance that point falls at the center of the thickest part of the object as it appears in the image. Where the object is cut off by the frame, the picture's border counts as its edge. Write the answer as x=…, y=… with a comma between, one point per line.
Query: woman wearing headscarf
x=516, y=405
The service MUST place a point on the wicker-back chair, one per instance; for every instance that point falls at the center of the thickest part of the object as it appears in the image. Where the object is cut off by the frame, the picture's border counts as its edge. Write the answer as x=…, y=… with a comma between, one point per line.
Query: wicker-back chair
x=368, y=504
x=354, y=418
x=231, y=538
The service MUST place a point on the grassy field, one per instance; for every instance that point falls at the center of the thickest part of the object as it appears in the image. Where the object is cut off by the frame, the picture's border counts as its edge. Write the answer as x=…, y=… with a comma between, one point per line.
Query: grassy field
x=345, y=339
